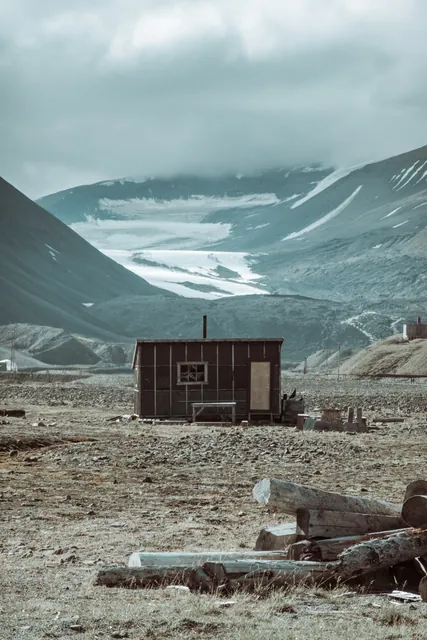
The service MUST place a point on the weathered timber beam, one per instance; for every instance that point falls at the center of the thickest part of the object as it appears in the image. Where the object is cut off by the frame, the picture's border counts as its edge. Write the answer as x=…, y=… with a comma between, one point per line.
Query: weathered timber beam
x=197, y=559
x=146, y=577
x=312, y=523
x=277, y=537
x=288, y=497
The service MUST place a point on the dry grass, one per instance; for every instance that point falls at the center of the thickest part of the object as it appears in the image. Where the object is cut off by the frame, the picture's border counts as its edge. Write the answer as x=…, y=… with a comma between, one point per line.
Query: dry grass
x=56, y=518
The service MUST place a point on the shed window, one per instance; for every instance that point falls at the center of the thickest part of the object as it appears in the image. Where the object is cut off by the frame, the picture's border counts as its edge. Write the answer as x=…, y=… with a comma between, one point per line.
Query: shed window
x=192, y=372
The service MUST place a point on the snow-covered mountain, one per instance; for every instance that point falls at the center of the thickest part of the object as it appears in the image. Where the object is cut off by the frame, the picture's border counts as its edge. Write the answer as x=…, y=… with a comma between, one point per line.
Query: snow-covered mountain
x=338, y=234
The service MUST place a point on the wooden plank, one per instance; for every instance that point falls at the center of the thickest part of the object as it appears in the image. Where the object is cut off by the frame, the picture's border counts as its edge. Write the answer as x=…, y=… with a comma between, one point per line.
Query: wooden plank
x=197, y=559
x=277, y=537
x=313, y=523
x=288, y=497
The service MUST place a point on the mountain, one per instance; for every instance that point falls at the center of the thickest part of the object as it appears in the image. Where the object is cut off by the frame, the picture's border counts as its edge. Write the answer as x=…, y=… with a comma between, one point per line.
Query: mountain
x=49, y=275
x=355, y=233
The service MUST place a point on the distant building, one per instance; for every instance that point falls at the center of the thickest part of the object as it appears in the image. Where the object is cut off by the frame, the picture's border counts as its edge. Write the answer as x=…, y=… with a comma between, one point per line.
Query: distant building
x=8, y=365
x=413, y=331
x=210, y=379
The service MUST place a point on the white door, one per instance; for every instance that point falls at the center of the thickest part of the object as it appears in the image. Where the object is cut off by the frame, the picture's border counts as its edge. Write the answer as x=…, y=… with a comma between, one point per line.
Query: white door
x=260, y=386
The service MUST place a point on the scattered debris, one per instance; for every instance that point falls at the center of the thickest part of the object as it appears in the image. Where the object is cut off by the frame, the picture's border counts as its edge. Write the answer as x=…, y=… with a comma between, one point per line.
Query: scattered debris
x=12, y=413
x=332, y=420
x=404, y=596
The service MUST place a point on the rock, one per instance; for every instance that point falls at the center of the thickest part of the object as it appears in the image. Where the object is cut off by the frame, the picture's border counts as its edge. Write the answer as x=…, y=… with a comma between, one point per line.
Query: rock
x=31, y=459
x=13, y=453
x=117, y=524
x=70, y=559
x=148, y=480
x=78, y=628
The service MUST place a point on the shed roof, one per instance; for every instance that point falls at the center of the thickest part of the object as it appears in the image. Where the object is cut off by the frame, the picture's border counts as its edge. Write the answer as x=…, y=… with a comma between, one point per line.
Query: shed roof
x=199, y=340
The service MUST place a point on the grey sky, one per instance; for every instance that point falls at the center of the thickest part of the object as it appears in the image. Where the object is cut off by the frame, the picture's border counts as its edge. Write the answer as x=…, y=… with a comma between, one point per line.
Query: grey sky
x=110, y=88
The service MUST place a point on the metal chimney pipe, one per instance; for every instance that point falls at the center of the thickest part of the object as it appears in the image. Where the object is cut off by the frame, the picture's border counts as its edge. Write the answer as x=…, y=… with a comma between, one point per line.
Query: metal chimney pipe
x=205, y=327
x=419, y=319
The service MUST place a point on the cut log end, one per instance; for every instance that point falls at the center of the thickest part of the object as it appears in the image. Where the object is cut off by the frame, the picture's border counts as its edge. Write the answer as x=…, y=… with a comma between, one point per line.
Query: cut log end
x=261, y=491
x=423, y=589
x=414, y=511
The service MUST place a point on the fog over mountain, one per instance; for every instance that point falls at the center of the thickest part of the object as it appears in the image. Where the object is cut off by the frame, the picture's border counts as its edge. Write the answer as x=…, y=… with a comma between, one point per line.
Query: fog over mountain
x=97, y=90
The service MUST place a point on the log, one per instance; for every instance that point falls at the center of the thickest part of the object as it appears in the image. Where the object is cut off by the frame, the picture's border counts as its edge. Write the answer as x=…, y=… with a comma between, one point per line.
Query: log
x=277, y=537
x=390, y=419
x=148, y=577
x=327, y=550
x=355, y=562
x=423, y=589
x=288, y=497
x=414, y=511
x=198, y=559
x=380, y=553
x=415, y=488
x=211, y=575
x=274, y=573
x=313, y=523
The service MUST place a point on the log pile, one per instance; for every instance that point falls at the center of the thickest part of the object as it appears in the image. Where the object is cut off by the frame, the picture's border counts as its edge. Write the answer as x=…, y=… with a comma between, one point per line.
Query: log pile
x=333, y=539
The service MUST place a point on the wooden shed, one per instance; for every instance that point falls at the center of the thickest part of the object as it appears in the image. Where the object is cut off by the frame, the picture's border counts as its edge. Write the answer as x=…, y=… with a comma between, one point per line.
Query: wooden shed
x=208, y=379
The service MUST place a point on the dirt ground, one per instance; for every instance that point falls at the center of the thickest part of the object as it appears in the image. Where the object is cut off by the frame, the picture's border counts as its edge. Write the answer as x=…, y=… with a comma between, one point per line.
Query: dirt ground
x=78, y=493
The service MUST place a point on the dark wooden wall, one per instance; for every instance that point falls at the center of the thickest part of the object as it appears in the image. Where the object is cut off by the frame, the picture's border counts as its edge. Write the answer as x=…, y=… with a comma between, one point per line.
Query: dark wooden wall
x=158, y=393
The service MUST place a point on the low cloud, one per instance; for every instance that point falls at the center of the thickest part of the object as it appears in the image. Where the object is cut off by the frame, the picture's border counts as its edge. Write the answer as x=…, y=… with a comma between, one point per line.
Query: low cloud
x=121, y=87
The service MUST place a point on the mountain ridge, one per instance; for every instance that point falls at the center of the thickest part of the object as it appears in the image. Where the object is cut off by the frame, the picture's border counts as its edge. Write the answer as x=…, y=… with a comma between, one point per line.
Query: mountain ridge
x=311, y=231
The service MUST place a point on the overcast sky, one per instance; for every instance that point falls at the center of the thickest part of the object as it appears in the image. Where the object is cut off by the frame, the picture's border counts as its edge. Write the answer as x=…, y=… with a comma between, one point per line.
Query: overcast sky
x=95, y=89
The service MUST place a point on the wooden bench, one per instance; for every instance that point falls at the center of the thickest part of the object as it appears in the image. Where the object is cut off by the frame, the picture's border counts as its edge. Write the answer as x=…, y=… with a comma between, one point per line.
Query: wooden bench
x=202, y=405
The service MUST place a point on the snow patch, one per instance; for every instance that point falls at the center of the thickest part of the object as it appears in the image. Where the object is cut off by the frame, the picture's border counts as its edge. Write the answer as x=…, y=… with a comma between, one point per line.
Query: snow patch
x=405, y=175
x=411, y=177
x=400, y=224
x=53, y=252
x=171, y=270
x=197, y=204
x=423, y=204
x=391, y=213
x=422, y=177
x=324, y=184
x=88, y=304
x=329, y=216
x=357, y=323
x=377, y=246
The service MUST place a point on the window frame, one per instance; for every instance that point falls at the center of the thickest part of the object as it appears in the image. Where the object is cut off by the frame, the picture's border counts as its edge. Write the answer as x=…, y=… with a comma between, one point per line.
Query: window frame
x=191, y=382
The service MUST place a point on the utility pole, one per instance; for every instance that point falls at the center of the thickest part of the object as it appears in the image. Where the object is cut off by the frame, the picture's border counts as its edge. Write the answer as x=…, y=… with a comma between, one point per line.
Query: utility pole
x=339, y=361
x=13, y=350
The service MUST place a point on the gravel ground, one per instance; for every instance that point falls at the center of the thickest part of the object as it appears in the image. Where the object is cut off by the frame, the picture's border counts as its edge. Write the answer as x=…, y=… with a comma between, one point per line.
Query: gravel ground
x=78, y=492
